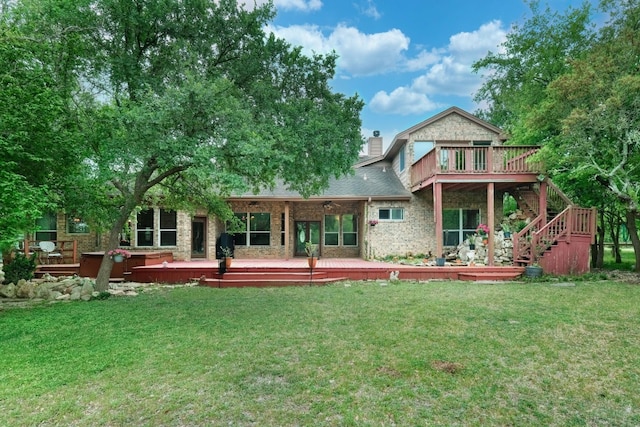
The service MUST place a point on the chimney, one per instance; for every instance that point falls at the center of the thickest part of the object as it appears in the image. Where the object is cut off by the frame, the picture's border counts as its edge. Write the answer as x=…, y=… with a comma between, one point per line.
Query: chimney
x=375, y=144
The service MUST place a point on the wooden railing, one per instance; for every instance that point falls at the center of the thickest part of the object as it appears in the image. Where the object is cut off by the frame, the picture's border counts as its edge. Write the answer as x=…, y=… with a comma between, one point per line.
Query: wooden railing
x=68, y=249
x=531, y=242
x=474, y=160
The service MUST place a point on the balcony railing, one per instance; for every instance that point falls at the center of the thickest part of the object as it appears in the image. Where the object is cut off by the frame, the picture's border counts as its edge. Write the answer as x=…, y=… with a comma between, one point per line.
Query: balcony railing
x=474, y=160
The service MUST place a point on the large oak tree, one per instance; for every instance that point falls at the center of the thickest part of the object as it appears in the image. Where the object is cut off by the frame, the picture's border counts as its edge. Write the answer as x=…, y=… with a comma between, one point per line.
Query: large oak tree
x=181, y=102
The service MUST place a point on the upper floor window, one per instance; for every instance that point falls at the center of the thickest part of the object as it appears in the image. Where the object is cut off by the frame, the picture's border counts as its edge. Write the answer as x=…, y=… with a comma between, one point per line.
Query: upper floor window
x=76, y=225
x=420, y=148
x=391, y=214
x=256, y=229
x=401, y=158
x=47, y=227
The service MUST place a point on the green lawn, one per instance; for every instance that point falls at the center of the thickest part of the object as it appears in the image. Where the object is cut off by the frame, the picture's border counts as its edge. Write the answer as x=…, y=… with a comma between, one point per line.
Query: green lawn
x=452, y=353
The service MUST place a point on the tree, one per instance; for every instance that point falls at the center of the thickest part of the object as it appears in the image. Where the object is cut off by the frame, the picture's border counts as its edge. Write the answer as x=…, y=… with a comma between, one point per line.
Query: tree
x=183, y=102
x=33, y=132
x=534, y=54
x=586, y=115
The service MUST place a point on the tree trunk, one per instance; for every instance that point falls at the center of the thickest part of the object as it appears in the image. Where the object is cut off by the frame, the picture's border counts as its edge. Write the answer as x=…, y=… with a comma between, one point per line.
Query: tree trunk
x=633, y=235
x=104, y=273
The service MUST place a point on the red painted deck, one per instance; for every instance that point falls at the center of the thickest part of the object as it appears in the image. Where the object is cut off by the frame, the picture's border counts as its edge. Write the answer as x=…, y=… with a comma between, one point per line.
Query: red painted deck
x=283, y=272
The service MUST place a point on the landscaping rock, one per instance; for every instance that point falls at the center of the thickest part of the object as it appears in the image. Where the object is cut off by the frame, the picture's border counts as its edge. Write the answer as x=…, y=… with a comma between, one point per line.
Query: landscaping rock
x=8, y=291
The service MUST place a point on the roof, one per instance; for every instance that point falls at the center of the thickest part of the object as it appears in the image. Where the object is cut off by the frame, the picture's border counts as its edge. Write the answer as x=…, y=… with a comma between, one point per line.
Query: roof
x=403, y=136
x=376, y=182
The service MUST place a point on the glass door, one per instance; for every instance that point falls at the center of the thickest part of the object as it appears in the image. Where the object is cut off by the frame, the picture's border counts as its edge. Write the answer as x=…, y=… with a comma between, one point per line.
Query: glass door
x=198, y=237
x=306, y=231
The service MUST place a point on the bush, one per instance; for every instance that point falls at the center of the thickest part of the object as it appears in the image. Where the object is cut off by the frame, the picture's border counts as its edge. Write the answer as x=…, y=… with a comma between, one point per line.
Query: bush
x=22, y=267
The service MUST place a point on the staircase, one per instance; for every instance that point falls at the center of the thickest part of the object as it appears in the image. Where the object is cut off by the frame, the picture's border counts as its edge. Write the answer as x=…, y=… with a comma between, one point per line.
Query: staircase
x=559, y=237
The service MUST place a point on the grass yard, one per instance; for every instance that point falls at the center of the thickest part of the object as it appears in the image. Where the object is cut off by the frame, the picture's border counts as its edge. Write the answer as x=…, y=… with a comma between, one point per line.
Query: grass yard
x=447, y=353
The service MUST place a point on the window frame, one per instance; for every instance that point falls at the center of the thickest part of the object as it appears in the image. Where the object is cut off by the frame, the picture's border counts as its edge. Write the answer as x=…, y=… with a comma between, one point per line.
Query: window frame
x=391, y=218
x=461, y=231
x=250, y=235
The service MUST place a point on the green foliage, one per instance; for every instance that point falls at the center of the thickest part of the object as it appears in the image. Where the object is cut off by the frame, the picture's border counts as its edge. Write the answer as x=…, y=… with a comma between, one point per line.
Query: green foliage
x=21, y=267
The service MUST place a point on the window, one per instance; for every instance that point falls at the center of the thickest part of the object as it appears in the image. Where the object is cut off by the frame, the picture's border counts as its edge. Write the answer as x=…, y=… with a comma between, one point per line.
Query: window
x=331, y=230
x=349, y=230
x=458, y=224
x=145, y=228
x=391, y=214
x=168, y=228
x=282, y=224
x=257, y=229
x=47, y=227
x=76, y=225
x=420, y=148
x=345, y=225
x=402, y=159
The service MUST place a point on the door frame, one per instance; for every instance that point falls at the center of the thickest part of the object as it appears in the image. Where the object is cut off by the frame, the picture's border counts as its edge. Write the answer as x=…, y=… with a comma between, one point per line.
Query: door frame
x=199, y=220
x=309, y=228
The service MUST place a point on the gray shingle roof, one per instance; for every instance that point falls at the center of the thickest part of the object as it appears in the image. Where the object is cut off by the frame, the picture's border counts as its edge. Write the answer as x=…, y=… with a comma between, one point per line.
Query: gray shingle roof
x=375, y=182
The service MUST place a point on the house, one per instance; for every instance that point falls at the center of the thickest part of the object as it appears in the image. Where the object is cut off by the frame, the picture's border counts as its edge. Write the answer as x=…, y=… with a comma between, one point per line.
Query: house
x=426, y=193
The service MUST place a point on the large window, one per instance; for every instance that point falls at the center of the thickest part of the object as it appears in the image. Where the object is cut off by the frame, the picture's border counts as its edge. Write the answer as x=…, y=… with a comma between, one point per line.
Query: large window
x=47, y=227
x=257, y=229
x=391, y=214
x=156, y=227
x=168, y=228
x=341, y=225
x=349, y=230
x=145, y=228
x=420, y=148
x=331, y=230
x=458, y=224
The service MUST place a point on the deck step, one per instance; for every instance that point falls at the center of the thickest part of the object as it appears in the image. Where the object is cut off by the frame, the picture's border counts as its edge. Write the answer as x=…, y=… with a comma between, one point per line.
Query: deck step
x=489, y=275
x=266, y=283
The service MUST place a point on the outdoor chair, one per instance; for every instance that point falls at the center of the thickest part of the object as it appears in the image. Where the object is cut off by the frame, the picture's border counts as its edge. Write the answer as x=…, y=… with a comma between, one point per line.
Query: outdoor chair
x=49, y=252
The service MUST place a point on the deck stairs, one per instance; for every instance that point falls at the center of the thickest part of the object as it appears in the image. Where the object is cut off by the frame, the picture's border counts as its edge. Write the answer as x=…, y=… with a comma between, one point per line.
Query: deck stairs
x=548, y=240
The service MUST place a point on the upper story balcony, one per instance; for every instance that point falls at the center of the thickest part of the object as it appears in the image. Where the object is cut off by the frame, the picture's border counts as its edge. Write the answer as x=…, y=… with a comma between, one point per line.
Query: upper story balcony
x=480, y=164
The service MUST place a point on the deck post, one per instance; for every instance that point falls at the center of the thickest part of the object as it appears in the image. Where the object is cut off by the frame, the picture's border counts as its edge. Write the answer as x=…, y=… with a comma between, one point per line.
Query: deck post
x=491, y=220
x=437, y=211
x=286, y=230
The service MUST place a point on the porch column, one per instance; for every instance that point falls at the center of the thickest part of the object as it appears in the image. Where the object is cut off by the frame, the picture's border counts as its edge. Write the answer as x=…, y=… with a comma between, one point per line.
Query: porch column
x=491, y=223
x=286, y=230
x=437, y=212
x=542, y=203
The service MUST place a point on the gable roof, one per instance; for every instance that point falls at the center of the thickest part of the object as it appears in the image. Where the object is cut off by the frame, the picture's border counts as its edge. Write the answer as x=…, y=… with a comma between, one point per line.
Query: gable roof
x=403, y=136
x=377, y=182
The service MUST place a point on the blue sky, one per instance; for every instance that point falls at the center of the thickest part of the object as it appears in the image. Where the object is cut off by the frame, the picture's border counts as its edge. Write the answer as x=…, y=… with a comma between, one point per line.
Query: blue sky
x=407, y=60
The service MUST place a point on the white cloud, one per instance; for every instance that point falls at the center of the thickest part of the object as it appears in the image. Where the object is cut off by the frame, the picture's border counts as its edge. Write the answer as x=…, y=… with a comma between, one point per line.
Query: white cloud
x=403, y=100
x=447, y=72
x=371, y=10
x=304, y=5
x=359, y=54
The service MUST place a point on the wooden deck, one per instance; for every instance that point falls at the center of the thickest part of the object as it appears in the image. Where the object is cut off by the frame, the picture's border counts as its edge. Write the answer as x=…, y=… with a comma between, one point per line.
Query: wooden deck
x=290, y=272
x=261, y=272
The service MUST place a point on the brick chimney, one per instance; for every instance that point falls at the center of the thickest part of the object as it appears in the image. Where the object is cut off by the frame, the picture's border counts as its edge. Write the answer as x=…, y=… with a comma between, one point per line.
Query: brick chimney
x=375, y=144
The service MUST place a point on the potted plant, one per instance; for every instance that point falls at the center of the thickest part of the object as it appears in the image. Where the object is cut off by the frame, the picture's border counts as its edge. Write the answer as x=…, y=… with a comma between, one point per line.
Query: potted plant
x=227, y=253
x=506, y=230
x=312, y=253
x=118, y=255
x=441, y=260
x=373, y=222
x=483, y=232
x=533, y=270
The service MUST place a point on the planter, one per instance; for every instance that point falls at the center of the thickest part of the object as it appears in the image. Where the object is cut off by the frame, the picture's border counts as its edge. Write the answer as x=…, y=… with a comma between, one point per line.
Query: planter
x=312, y=261
x=507, y=234
x=440, y=262
x=472, y=246
x=118, y=258
x=533, y=271
x=227, y=262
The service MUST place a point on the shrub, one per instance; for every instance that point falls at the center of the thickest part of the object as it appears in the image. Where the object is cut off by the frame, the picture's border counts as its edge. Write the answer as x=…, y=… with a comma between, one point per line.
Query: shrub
x=22, y=267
